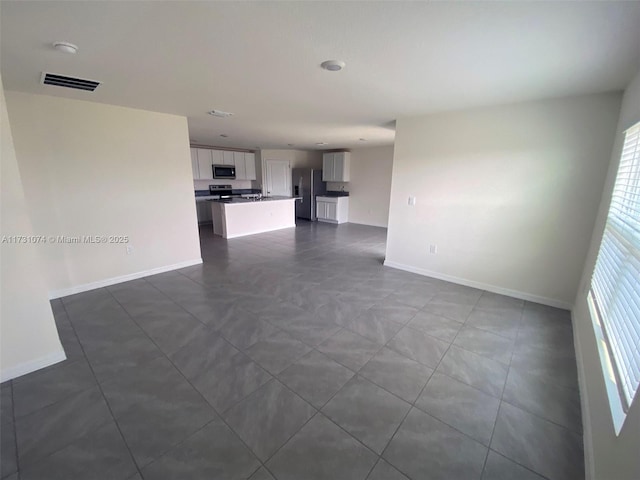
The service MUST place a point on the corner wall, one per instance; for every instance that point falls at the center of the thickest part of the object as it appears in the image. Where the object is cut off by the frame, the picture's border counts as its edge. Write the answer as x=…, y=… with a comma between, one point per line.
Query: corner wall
x=28, y=335
x=607, y=456
x=508, y=194
x=370, y=185
x=91, y=169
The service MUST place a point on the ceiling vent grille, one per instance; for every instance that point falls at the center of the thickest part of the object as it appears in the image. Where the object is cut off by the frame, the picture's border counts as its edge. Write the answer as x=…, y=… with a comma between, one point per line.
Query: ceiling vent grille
x=220, y=113
x=69, y=82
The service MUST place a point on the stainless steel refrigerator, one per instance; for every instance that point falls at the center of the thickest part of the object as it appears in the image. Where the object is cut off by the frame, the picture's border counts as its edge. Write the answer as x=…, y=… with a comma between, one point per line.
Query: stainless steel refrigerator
x=307, y=183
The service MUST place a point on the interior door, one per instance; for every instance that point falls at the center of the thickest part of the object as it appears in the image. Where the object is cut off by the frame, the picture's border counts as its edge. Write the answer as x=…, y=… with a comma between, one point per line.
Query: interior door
x=278, y=178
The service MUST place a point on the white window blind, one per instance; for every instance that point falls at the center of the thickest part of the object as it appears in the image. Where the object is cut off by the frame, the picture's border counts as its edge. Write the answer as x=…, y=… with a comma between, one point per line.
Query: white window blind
x=615, y=285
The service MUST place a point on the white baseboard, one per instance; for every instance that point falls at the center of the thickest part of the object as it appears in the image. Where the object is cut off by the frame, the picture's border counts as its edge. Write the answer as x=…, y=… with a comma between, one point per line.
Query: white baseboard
x=587, y=430
x=483, y=286
x=123, y=278
x=32, y=365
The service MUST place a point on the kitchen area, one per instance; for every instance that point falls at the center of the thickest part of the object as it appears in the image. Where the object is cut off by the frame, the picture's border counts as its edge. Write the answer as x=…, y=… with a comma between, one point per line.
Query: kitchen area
x=240, y=192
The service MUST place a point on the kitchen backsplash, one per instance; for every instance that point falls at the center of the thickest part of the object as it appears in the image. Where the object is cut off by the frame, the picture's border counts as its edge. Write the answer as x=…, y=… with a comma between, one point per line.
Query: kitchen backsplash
x=338, y=186
x=235, y=184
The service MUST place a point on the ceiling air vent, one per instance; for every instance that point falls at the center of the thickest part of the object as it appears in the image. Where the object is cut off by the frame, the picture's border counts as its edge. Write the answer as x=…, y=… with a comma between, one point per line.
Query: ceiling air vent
x=69, y=82
x=220, y=113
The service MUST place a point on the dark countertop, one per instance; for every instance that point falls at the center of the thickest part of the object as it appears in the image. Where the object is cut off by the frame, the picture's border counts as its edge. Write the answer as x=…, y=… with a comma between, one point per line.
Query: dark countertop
x=239, y=191
x=235, y=200
x=332, y=193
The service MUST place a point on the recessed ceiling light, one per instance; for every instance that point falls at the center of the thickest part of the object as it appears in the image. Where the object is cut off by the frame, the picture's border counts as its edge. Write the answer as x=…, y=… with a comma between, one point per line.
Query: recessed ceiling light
x=220, y=113
x=333, y=65
x=65, y=47
x=321, y=143
x=224, y=135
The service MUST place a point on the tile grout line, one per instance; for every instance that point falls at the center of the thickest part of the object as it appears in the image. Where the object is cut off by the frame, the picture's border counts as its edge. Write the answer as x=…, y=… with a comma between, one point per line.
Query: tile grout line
x=168, y=298
x=115, y=421
x=493, y=430
x=504, y=401
x=418, y=397
x=264, y=264
x=516, y=406
x=61, y=400
x=218, y=415
x=413, y=404
x=241, y=400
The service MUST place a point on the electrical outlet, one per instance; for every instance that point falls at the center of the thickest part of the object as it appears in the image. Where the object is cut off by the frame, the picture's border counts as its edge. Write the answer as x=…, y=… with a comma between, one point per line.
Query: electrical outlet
x=412, y=201
x=129, y=249
x=433, y=249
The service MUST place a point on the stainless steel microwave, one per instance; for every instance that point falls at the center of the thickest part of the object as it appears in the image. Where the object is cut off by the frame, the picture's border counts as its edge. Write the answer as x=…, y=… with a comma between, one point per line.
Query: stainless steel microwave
x=224, y=171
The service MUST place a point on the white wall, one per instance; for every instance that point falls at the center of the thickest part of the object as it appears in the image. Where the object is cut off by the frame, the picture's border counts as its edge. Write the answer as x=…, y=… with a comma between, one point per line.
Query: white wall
x=94, y=169
x=607, y=456
x=369, y=186
x=509, y=194
x=28, y=336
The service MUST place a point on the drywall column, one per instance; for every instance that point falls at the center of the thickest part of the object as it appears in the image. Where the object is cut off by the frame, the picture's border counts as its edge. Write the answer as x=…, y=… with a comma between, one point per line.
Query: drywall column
x=29, y=339
x=370, y=185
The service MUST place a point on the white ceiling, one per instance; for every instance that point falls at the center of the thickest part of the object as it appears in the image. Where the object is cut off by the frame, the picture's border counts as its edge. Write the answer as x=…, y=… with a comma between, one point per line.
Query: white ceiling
x=260, y=60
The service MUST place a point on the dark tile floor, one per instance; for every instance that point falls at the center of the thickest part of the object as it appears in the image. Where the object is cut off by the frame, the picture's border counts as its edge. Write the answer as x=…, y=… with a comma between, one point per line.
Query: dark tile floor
x=297, y=355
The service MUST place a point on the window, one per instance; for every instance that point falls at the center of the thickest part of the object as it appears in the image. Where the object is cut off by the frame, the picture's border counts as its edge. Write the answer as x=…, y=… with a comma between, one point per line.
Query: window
x=615, y=285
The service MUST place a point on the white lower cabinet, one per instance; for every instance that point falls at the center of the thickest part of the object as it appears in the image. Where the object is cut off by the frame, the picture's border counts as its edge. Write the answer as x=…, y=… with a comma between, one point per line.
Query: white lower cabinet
x=332, y=209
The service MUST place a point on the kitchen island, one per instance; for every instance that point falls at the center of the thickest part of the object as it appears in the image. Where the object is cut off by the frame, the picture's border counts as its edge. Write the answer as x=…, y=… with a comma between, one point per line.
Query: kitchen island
x=237, y=217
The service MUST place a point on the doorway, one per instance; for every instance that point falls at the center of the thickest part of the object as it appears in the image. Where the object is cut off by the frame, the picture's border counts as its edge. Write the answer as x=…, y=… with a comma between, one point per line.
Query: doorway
x=278, y=178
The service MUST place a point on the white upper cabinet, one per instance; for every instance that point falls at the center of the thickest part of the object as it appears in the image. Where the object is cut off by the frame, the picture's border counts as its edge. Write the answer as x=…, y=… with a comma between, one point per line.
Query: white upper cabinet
x=204, y=163
x=238, y=161
x=250, y=165
x=336, y=166
x=245, y=165
x=227, y=158
x=194, y=164
x=327, y=167
x=217, y=157
x=202, y=160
